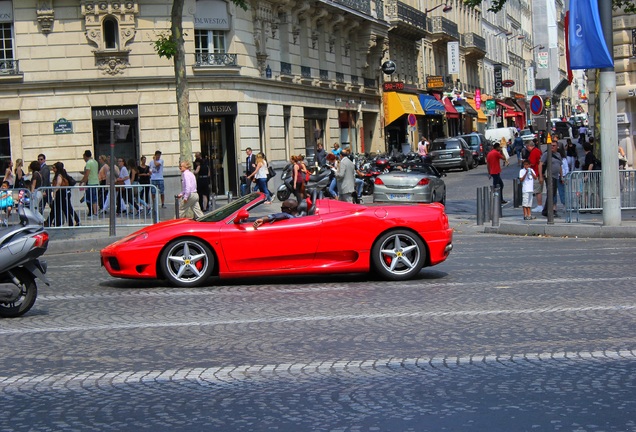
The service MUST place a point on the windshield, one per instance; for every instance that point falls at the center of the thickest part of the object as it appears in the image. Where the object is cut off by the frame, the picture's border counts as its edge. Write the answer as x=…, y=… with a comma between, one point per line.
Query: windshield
x=525, y=132
x=445, y=145
x=227, y=210
x=427, y=169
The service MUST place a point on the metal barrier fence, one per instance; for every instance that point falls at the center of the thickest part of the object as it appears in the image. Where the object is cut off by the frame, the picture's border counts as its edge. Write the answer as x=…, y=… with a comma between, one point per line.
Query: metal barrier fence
x=584, y=192
x=72, y=206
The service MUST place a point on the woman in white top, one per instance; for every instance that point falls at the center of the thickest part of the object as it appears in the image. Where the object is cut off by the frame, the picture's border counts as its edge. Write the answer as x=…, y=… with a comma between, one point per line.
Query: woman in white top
x=260, y=174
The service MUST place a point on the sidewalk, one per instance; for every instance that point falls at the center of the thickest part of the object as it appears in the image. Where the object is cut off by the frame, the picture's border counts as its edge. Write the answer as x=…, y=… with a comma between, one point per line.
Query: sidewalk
x=511, y=222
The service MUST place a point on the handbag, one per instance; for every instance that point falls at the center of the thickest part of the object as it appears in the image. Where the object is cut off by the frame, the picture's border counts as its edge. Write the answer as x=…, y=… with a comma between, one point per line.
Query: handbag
x=270, y=172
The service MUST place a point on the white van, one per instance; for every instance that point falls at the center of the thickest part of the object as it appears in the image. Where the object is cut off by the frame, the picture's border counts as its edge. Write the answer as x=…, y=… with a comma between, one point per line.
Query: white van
x=495, y=135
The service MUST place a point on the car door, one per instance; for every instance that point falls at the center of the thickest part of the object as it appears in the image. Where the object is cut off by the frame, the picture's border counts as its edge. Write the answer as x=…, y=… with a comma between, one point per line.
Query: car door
x=281, y=245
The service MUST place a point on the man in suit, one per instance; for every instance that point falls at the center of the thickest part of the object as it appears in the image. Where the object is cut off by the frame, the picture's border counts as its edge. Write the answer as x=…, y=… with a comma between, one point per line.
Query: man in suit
x=345, y=177
x=250, y=166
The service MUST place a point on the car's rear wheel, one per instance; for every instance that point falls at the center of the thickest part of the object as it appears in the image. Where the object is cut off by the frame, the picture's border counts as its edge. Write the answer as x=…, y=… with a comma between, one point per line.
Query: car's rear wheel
x=465, y=166
x=398, y=255
x=187, y=262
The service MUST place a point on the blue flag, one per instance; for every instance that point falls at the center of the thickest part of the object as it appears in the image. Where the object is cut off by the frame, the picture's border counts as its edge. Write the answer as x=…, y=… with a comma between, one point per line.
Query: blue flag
x=587, y=44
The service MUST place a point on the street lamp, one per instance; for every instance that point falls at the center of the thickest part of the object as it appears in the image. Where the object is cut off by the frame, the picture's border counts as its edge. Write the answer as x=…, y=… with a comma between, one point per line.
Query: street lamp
x=506, y=32
x=537, y=46
x=520, y=37
x=447, y=8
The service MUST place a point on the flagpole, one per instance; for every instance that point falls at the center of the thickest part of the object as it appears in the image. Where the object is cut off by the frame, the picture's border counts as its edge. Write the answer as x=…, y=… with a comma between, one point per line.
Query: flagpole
x=608, y=126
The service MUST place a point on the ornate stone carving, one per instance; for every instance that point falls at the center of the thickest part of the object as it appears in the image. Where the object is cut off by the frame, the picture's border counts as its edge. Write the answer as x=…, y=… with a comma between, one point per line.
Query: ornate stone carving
x=110, y=61
x=262, y=62
x=46, y=16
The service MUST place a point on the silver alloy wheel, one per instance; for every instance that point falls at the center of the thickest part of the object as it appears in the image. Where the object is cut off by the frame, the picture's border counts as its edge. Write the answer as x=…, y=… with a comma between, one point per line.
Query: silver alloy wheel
x=187, y=262
x=399, y=255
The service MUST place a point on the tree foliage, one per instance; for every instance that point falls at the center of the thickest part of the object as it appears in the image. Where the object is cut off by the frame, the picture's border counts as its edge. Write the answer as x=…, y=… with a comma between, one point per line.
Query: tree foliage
x=497, y=5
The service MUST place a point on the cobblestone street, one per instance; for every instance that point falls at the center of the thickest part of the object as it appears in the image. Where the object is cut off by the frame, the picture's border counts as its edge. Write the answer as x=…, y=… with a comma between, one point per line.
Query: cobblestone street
x=533, y=335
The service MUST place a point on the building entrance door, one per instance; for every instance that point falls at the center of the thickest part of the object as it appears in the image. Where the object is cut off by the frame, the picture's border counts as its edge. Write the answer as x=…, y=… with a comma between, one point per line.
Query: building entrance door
x=216, y=126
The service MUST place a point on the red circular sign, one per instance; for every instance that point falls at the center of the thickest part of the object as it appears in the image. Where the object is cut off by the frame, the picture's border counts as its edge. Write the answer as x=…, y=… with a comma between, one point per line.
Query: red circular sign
x=412, y=120
x=536, y=105
x=507, y=83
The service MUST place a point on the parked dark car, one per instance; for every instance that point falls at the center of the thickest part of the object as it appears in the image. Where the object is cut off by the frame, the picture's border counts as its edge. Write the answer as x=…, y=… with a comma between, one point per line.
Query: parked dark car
x=564, y=129
x=447, y=153
x=479, y=145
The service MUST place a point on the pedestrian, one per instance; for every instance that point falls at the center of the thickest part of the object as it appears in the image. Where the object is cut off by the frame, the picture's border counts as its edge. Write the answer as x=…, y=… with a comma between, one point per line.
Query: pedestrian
x=45, y=173
x=582, y=134
x=260, y=175
x=336, y=149
x=90, y=179
x=202, y=172
x=156, y=176
x=9, y=176
x=345, y=177
x=493, y=162
x=143, y=175
x=565, y=170
x=134, y=192
x=321, y=155
x=527, y=176
x=189, y=198
x=250, y=166
x=622, y=158
x=104, y=180
x=555, y=174
x=571, y=154
x=422, y=148
x=19, y=175
x=124, y=191
x=517, y=147
x=534, y=156
x=35, y=185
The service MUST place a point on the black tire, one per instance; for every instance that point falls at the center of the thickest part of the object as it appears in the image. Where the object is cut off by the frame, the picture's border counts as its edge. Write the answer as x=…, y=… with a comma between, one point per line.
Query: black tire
x=398, y=255
x=187, y=262
x=367, y=189
x=283, y=194
x=27, y=298
x=443, y=200
x=465, y=166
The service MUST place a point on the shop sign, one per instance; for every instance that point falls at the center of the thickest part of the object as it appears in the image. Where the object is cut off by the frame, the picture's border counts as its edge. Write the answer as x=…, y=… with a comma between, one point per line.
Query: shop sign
x=389, y=67
x=63, y=126
x=434, y=82
x=490, y=104
x=498, y=79
x=478, y=98
x=218, y=109
x=393, y=86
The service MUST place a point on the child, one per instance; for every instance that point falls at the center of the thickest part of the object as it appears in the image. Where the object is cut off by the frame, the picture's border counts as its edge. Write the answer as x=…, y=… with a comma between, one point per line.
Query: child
x=527, y=176
x=6, y=201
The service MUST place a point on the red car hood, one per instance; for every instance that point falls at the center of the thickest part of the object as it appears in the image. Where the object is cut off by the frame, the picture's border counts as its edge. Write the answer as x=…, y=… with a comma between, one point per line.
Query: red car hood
x=152, y=228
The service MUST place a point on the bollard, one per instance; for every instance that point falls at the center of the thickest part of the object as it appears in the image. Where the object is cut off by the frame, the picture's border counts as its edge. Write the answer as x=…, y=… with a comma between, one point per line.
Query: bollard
x=212, y=199
x=480, y=207
x=487, y=203
x=496, y=206
x=516, y=193
x=176, y=206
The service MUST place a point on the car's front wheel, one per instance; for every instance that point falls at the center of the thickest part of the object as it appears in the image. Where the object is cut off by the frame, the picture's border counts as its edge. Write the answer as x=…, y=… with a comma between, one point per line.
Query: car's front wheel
x=187, y=262
x=398, y=255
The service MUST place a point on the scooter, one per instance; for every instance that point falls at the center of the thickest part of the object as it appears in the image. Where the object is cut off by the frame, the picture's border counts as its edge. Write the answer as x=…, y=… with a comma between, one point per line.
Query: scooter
x=318, y=181
x=285, y=189
x=20, y=249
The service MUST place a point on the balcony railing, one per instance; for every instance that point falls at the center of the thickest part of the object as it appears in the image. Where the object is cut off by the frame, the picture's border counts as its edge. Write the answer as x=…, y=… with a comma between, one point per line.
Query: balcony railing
x=215, y=59
x=363, y=6
x=324, y=75
x=9, y=67
x=412, y=17
x=354, y=80
x=305, y=71
x=473, y=43
x=285, y=68
x=444, y=28
x=340, y=78
x=369, y=83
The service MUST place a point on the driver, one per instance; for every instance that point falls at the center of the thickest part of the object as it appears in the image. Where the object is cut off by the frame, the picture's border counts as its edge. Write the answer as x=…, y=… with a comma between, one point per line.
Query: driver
x=289, y=210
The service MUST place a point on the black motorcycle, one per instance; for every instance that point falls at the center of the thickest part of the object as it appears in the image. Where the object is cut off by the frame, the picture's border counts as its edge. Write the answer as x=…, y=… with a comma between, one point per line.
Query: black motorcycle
x=20, y=249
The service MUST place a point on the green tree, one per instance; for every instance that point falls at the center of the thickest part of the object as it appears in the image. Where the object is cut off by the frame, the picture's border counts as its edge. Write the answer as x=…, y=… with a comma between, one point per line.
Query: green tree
x=497, y=5
x=171, y=46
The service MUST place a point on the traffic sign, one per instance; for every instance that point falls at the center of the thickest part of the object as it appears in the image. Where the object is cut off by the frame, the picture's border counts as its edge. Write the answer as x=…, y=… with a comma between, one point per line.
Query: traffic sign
x=536, y=105
x=412, y=120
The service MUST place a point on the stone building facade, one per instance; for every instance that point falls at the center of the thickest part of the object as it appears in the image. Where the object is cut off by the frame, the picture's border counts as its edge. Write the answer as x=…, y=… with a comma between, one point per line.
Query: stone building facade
x=278, y=77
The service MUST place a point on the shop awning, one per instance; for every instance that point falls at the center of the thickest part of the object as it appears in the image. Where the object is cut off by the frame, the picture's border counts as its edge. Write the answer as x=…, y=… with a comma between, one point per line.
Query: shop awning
x=467, y=108
x=431, y=106
x=397, y=104
x=451, y=112
x=521, y=104
x=513, y=113
x=505, y=105
x=481, y=117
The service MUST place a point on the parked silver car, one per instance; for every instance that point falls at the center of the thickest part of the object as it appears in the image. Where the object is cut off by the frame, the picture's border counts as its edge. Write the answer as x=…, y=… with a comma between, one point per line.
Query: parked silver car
x=447, y=153
x=420, y=183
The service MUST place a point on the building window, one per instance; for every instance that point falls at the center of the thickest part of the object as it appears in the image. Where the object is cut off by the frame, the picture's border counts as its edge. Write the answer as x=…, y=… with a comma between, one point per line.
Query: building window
x=5, y=147
x=110, y=33
x=209, y=41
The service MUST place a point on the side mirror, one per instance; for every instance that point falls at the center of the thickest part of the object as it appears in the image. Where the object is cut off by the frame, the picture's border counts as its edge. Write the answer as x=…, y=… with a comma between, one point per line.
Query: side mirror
x=241, y=216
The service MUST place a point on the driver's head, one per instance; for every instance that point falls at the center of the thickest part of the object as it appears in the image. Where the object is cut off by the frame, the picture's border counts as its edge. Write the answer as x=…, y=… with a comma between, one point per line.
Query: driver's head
x=289, y=206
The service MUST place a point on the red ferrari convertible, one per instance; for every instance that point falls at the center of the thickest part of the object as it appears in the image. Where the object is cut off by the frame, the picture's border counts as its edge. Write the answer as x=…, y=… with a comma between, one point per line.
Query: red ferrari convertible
x=328, y=237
